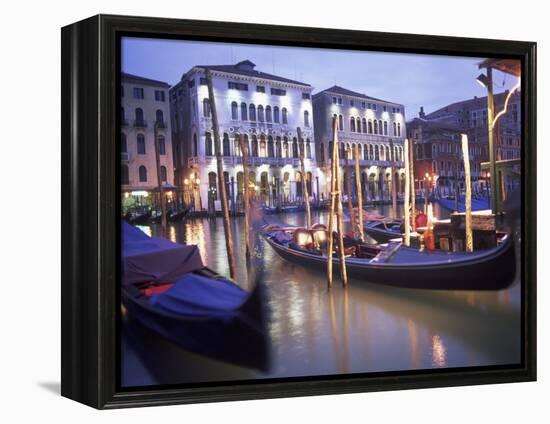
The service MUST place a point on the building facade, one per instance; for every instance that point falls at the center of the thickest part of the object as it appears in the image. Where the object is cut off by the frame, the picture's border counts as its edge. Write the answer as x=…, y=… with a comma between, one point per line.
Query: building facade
x=266, y=111
x=468, y=117
x=376, y=126
x=144, y=106
x=438, y=160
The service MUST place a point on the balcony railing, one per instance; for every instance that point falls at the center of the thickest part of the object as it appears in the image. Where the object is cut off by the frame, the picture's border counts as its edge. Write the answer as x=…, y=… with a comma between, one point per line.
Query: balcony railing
x=140, y=123
x=160, y=124
x=124, y=156
x=252, y=160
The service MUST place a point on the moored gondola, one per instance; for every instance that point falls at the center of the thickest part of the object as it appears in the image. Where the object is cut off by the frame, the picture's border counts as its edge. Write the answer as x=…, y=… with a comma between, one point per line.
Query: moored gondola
x=397, y=265
x=166, y=288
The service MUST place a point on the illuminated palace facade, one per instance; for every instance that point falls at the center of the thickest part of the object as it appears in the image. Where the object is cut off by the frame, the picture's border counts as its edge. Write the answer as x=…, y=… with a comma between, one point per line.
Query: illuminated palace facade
x=266, y=110
x=376, y=126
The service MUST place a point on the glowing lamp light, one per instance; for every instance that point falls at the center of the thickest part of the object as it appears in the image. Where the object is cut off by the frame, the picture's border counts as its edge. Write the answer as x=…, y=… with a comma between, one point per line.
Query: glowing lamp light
x=186, y=181
x=126, y=195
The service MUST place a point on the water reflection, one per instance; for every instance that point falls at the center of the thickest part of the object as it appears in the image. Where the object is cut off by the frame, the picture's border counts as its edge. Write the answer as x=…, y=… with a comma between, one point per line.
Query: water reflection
x=363, y=328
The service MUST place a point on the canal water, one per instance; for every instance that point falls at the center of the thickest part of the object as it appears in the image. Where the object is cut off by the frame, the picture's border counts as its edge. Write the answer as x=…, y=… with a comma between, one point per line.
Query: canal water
x=315, y=331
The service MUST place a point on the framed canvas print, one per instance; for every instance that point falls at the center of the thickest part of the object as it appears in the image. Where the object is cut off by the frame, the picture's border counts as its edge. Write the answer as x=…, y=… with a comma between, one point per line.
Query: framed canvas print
x=254, y=211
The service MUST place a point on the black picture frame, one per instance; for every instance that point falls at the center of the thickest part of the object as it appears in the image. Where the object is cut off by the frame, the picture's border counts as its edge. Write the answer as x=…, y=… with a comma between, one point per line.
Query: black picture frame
x=90, y=208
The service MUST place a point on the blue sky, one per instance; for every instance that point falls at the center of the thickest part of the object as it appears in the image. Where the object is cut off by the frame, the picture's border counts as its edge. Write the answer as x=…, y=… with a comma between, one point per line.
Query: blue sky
x=411, y=79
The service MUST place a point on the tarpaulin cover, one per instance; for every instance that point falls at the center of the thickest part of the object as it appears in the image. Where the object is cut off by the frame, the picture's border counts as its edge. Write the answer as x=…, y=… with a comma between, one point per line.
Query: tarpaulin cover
x=154, y=259
x=200, y=296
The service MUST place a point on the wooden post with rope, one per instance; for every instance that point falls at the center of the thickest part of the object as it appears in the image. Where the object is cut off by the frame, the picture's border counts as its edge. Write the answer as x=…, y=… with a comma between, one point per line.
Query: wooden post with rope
x=221, y=183
x=163, y=217
x=393, y=182
x=304, y=177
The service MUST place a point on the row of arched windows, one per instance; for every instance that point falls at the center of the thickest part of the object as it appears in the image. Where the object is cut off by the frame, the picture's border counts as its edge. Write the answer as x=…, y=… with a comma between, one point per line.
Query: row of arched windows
x=262, y=147
x=142, y=174
x=260, y=114
x=139, y=121
x=140, y=143
x=370, y=126
x=366, y=152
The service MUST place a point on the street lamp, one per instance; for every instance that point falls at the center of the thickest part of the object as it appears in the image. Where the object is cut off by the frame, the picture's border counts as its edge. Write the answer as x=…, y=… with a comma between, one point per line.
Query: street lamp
x=483, y=80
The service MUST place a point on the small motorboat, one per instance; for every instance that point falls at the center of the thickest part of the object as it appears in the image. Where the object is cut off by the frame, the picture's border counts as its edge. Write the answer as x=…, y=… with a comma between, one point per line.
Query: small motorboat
x=384, y=230
x=166, y=288
x=139, y=218
x=397, y=265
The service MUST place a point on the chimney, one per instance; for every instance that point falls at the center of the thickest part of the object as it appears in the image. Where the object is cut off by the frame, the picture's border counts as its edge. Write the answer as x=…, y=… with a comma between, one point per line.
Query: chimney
x=421, y=114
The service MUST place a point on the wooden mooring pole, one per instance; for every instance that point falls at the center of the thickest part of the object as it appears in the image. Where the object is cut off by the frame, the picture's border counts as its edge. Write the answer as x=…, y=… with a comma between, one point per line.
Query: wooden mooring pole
x=305, y=191
x=468, y=199
x=162, y=200
x=347, y=152
x=359, y=190
x=407, y=238
x=221, y=180
x=246, y=201
x=412, y=184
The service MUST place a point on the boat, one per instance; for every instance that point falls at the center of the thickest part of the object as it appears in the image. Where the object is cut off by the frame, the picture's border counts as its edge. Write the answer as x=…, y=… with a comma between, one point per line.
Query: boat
x=167, y=288
x=139, y=218
x=178, y=215
x=395, y=264
x=449, y=203
x=384, y=230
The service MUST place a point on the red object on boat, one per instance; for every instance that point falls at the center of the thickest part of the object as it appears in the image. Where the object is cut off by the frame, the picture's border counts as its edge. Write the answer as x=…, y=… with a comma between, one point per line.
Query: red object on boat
x=421, y=220
x=151, y=290
x=429, y=239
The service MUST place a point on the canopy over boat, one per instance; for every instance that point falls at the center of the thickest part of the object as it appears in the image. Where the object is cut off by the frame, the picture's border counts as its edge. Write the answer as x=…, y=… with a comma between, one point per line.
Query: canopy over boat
x=153, y=259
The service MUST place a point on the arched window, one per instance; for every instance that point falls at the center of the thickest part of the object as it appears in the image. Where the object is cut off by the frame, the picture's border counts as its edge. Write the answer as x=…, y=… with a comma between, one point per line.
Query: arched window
x=268, y=117
x=352, y=124
x=139, y=116
x=123, y=144
x=340, y=123
x=299, y=189
x=375, y=126
x=212, y=185
x=364, y=125
x=376, y=152
x=263, y=152
x=380, y=127
x=308, y=183
x=159, y=115
x=399, y=130
x=330, y=147
x=254, y=146
x=142, y=174
x=286, y=152
x=208, y=144
x=385, y=127
x=195, y=146
x=285, y=116
x=278, y=151
x=270, y=150
x=260, y=113
x=276, y=114
x=370, y=126
x=358, y=125
x=234, y=111
x=394, y=129
x=225, y=145
x=252, y=112
x=308, y=149
x=124, y=176
x=365, y=152
x=163, y=174
x=141, y=144
x=244, y=112
x=295, y=148
x=306, y=118
x=206, y=108
x=162, y=145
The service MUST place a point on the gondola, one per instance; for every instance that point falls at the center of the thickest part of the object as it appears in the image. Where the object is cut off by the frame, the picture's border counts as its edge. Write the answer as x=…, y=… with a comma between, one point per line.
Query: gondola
x=178, y=215
x=139, y=218
x=383, y=230
x=396, y=265
x=166, y=288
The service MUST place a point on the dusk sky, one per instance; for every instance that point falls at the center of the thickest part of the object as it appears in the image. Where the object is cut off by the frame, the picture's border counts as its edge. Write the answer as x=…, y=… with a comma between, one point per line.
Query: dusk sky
x=411, y=79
